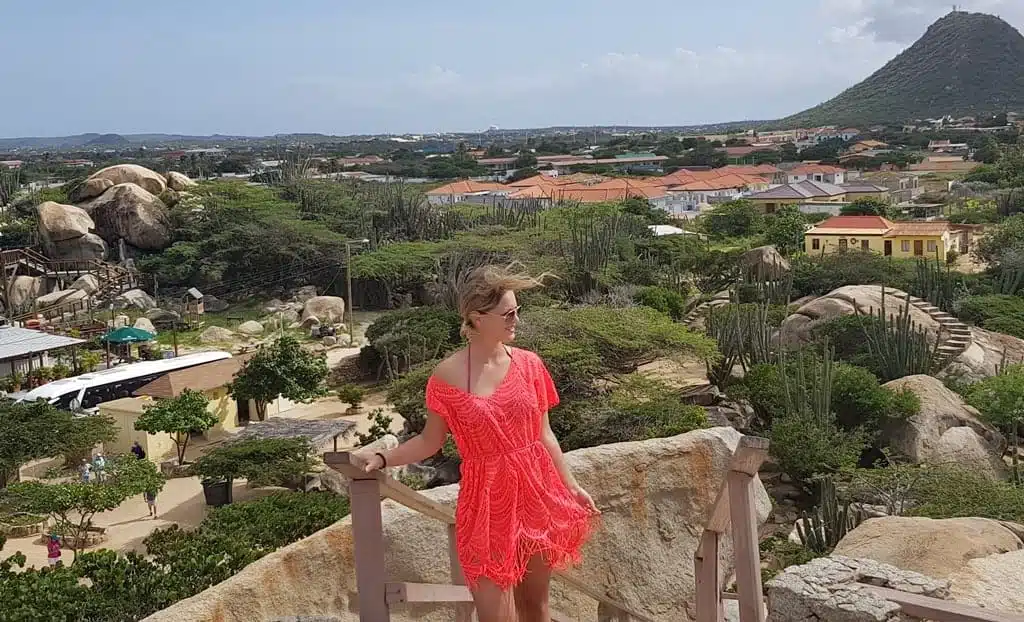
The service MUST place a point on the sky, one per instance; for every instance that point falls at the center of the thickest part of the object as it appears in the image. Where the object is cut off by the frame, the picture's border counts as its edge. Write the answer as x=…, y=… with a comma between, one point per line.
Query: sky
x=260, y=67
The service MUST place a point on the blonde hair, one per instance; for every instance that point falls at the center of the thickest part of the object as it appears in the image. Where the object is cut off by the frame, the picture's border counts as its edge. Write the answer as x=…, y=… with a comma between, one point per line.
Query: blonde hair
x=482, y=290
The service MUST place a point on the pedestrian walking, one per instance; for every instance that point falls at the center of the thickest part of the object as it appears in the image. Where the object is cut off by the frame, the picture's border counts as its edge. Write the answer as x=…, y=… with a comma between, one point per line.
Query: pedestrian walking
x=139, y=452
x=99, y=464
x=150, y=497
x=53, y=551
x=85, y=470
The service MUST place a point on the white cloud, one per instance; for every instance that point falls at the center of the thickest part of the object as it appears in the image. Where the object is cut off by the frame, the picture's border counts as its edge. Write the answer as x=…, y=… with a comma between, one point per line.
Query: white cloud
x=904, y=21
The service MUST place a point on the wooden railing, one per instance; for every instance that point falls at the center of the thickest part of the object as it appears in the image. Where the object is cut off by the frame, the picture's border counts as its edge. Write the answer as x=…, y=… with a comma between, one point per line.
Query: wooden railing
x=735, y=505
x=377, y=594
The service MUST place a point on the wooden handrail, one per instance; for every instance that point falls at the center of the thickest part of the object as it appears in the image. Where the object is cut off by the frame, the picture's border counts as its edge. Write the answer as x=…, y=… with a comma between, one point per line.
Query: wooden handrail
x=361, y=485
x=734, y=506
x=928, y=608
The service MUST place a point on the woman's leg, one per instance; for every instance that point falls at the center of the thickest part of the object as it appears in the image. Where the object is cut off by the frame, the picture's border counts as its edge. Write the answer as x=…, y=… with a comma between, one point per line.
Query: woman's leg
x=492, y=603
x=531, y=595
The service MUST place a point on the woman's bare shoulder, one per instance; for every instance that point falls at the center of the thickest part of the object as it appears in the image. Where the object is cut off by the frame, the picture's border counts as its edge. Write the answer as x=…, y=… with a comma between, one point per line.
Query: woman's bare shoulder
x=452, y=370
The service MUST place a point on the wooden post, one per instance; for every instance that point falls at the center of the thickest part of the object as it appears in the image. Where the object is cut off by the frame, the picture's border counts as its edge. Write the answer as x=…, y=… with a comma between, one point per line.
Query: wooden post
x=708, y=577
x=743, y=514
x=368, y=541
x=463, y=611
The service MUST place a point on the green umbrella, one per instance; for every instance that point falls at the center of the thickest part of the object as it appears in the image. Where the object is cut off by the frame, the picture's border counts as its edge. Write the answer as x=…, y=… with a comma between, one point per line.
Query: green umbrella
x=128, y=334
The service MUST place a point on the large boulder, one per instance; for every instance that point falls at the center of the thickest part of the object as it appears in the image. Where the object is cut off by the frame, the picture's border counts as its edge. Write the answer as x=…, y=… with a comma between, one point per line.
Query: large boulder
x=179, y=181
x=88, y=283
x=327, y=309
x=23, y=290
x=61, y=297
x=216, y=334
x=144, y=324
x=765, y=260
x=654, y=495
x=141, y=176
x=946, y=430
x=89, y=189
x=798, y=328
x=59, y=223
x=89, y=246
x=988, y=350
x=130, y=212
x=135, y=298
x=937, y=548
x=994, y=582
x=251, y=328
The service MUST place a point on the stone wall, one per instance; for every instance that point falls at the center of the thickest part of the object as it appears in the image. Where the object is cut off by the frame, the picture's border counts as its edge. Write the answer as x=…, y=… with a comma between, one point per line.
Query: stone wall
x=829, y=589
x=654, y=495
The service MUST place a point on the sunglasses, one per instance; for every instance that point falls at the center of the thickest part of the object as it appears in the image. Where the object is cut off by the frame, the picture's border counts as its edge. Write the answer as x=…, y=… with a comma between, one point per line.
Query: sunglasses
x=509, y=315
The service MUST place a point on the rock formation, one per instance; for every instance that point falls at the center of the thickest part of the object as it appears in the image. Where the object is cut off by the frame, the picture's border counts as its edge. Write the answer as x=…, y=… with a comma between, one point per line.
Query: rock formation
x=655, y=496
x=946, y=430
x=129, y=212
x=326, y=309
x=767, y=260
x=937, y=548
x=179, y=181
x=66, y=232
x=988, y=350
x=101, y=180
x=798, y=328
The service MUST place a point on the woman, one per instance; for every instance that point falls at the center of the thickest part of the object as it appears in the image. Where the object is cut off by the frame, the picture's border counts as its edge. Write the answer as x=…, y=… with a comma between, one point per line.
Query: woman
x=520, y=511
x=53, y=551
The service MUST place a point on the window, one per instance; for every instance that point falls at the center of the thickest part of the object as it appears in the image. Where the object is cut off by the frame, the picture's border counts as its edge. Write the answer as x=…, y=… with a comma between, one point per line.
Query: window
x=864, y=245
x=932, y=246
x=905, y=246
x=815, y=244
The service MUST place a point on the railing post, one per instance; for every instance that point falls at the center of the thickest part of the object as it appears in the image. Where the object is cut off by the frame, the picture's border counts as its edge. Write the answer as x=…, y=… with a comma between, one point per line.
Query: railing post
x=368, y=542
x=463, y=611
x=708, y=577
x=743, y=514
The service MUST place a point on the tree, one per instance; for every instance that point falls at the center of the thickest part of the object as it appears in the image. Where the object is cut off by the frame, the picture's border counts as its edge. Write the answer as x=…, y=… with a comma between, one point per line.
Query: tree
x=283, y=368
x=261, y=461
x=785, y=230
x=178, y=416
x=1000, y=399
x=73, y=505
x=734, y=219
x=30, y=431
x=865, y=206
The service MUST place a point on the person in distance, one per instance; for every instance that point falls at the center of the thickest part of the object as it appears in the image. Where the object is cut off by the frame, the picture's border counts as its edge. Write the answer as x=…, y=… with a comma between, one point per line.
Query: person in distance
x=520, y=511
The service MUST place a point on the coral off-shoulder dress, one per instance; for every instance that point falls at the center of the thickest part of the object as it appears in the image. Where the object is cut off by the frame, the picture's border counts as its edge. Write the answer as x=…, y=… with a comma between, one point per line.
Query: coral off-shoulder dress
x=512, y=502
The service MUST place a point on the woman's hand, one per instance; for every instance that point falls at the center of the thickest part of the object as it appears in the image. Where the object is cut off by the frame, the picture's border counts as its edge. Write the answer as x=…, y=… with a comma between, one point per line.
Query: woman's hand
x=583, y=498
x=365, y=461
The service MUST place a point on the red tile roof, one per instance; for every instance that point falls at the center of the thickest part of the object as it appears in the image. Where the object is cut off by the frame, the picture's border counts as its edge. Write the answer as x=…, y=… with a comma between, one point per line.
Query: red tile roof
x=467, y=186
x=855, y=222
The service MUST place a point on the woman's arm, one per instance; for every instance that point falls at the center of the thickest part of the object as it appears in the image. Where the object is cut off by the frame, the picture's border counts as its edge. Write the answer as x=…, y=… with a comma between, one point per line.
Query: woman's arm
x=420, y=447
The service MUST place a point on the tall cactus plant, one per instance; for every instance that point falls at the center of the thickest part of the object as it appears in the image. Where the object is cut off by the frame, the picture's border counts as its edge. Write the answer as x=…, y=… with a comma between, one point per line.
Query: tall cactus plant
x=900, y=347
x=935, y=282
x=822, y=529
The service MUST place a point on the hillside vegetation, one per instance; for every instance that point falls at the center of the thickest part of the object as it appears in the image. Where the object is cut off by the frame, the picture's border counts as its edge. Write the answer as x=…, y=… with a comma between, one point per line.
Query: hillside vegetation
x=965, y=64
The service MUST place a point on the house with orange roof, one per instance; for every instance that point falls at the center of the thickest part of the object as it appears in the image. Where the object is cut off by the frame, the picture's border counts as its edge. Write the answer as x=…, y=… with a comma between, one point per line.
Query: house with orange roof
x=462, y=190
x=770, y=172
x=692, y=195
x=881, y=235
x=816, y=172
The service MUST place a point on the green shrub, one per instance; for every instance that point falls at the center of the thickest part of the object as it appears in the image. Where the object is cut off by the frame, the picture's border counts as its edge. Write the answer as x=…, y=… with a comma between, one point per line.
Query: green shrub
x=815, y=275
x=805, y=446
x=996, y=312
x=403, y=339
x=958, y=491
x=669, y=302
x=407, y=394
x=859, y=400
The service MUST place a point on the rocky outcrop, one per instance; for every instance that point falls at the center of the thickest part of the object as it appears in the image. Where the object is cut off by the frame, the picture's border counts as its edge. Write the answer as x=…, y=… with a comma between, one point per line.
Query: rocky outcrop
x=251, y=328
x=144, y=324
x=66, y=232
x=129, y=212
x=946, y=430
x=326, y=309
x=937, y=548
x=798, y=328
x=829, y=589
x=135, y=298
x=61, y=297
x=766, y=261
x=23, y=290
x=993, y=582
x=88, y=283
x=988, y=350
x=216, y=334
x=654, y=495
x=179, y=181
x=97, y=183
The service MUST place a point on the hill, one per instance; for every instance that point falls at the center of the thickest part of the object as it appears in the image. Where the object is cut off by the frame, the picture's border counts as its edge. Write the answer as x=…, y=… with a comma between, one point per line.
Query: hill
x=965, y=64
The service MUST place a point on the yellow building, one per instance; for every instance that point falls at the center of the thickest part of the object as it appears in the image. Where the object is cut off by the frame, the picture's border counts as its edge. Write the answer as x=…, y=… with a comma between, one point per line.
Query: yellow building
x=211, y=379
x=880, y=235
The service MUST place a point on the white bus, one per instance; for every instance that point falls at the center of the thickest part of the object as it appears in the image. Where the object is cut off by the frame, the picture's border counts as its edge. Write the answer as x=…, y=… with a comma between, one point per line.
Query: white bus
x=87, y=391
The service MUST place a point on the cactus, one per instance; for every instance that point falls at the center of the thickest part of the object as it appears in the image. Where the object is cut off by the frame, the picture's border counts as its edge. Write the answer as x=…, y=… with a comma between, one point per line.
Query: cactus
x=744, y=338
x=808, y=396
x=828, y=523
x=900, y=346
x=936, y=283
